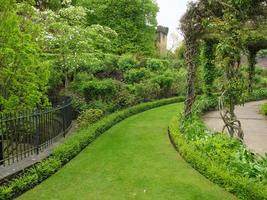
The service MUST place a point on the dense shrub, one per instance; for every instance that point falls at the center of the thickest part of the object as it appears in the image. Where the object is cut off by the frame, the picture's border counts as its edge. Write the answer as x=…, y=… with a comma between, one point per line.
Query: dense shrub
x=264, y=109
x=259, y=94
x=127, y=62
x=146, y=91
x=70, y=148
x=137, y=75
x=157, y=64
x=123, y=99
x=100, y=89
x=165, y=82
x=89, y=116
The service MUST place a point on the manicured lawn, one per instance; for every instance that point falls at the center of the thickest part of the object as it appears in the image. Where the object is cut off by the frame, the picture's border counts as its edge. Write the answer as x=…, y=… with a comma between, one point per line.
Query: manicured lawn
x=133, y=160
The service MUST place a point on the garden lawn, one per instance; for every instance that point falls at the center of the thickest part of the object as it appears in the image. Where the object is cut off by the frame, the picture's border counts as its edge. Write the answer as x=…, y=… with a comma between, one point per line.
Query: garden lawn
x=132, y=160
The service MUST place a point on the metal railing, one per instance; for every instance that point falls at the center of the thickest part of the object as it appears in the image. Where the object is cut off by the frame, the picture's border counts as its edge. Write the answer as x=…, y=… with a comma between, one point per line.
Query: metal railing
x=26, y=133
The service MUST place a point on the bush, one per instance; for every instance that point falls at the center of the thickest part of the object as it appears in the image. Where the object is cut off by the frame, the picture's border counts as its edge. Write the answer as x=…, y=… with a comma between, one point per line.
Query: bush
x=127, y=62
x=165, y=81
x=89, y=116
x=137, y=75
x=96, y=89
x=123, y=99
x=70, y=148
x=146, y=91
x=156, y=64
x=264, y=109
x=259, y=94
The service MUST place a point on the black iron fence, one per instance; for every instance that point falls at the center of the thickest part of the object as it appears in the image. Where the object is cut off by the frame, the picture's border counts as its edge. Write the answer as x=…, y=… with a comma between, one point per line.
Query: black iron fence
x=25, y=133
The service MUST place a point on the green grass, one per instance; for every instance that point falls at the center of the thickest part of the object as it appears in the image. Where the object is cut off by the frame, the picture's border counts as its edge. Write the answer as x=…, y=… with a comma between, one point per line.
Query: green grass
x=133, y=160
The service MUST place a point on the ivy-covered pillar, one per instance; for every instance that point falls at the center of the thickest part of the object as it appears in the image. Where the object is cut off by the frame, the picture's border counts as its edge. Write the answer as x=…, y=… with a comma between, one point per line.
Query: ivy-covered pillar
x=191, y=26
x=207, y=62
x=190, y=56
x=251, y=68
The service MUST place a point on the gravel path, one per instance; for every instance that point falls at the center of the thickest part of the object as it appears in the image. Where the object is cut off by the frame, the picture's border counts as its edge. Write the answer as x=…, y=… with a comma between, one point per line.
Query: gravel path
x=254, y=125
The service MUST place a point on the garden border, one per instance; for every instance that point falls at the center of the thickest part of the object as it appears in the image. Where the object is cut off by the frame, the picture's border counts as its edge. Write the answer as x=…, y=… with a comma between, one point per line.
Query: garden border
x=71, y=147
x=242, y=187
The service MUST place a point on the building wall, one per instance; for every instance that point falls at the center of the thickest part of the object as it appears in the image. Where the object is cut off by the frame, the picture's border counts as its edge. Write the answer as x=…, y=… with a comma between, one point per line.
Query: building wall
x=162, y=38
x=161, y=44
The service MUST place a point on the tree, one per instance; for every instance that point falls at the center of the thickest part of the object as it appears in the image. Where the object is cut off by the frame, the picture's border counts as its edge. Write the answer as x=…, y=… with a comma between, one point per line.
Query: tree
x=134, y=21
x=72, y=43
x=23, y=77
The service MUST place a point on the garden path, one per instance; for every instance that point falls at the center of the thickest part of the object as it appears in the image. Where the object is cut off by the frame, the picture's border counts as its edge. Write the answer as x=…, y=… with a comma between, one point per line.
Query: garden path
x=132, y=160
x=254, y=125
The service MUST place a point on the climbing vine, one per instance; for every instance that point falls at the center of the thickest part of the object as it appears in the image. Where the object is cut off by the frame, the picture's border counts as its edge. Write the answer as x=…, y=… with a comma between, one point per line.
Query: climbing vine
x=230, y=23
x=207, y=59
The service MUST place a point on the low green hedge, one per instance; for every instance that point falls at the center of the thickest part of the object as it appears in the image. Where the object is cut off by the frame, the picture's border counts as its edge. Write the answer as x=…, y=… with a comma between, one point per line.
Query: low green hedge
x=216, y=167
x=70, y=148
x=225, y=161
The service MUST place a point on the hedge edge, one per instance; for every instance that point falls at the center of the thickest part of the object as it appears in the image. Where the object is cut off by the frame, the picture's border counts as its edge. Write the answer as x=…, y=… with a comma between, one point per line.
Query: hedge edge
x=71, y=147
x=230, y=182
x=217, y=174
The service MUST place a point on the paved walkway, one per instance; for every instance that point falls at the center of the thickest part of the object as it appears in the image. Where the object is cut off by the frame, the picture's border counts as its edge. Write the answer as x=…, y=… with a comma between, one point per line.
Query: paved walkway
x=254, y=125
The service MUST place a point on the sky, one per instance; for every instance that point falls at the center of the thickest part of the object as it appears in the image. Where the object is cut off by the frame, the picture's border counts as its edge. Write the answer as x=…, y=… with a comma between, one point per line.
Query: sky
x=169, y=15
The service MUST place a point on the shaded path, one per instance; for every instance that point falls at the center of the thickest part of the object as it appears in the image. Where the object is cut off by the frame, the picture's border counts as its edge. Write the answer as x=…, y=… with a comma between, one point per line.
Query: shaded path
x=133, y=160
x=254, y=125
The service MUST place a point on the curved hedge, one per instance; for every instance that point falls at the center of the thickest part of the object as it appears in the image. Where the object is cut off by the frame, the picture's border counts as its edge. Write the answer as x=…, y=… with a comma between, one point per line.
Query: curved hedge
x=225, y=161
x=70, y=148
x=242, y=186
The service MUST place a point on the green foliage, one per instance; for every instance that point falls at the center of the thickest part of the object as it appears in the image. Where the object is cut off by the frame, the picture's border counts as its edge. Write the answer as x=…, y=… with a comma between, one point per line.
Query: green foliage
x=134, y=21
x=137, y=75
x=207, y=59
x=23, y=76
x=28, y=179
x=120, y=81
x=75, y=46
x=70, y=148
x=264, y=109
x=259, y=94
x=127, y=62
x=156, y=64
x=89, y=116
x=96, y=89
x=146, y=91
x=221, y=159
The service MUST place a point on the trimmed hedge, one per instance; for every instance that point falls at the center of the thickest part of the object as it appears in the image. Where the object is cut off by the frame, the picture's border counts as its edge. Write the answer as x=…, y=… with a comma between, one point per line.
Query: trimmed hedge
x=70, y=148
x=223, y=160
x=242, y=186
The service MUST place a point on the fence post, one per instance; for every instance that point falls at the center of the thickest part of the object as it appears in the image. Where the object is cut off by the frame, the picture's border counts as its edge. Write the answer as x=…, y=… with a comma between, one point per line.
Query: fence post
x=37, y=131
x=64, y=121
x=2, y=140
x=1, y=153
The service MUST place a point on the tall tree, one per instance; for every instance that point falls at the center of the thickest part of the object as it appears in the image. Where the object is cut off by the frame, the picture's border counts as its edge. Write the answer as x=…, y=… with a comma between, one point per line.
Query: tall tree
x=72, y=44
x=134, y=21
x=23, y=78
